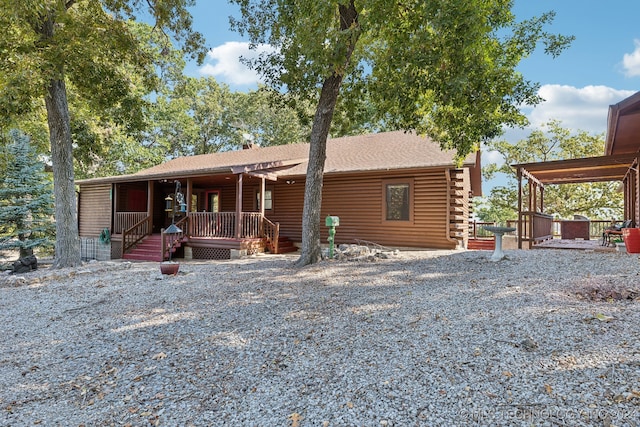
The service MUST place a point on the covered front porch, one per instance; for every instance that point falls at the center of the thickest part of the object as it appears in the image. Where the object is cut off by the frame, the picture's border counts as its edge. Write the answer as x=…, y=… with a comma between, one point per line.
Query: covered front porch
x=213, y=216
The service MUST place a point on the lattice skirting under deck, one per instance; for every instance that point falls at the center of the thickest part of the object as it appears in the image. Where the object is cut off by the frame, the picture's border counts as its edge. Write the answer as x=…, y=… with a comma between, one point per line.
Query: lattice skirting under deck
x=211, y=253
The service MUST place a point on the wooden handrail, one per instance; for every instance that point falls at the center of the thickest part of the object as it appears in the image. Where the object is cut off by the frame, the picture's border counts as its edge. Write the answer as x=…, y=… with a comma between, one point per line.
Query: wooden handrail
x=132, y=235
x=271, y=233
x=126, y=220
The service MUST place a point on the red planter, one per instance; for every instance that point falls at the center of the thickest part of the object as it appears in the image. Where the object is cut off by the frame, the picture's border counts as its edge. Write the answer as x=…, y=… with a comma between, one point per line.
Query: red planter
x=169, y=268
x=631, y=238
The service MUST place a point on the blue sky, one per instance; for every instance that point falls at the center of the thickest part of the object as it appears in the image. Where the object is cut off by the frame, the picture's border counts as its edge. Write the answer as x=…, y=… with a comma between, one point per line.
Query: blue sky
x=601, y=68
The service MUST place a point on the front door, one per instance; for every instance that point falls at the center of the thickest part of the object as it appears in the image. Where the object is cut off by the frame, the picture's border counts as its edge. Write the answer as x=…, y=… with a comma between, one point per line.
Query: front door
x=213, y=201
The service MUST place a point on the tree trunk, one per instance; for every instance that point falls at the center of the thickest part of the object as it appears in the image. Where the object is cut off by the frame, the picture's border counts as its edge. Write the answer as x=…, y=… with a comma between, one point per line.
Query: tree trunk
x=24, y=252
x=315, y=169
x=311, y=251
x=67, y=252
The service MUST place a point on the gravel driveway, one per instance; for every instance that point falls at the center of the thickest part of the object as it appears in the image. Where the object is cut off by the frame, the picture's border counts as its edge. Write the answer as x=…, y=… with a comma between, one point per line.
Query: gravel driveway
x=428, y=338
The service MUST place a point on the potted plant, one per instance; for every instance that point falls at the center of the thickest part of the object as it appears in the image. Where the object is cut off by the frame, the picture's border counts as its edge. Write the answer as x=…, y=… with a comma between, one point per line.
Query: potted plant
x=618, y=241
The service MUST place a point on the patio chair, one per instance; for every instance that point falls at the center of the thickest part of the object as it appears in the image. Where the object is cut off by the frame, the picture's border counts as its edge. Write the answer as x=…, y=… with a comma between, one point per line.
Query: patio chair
x=614, y=231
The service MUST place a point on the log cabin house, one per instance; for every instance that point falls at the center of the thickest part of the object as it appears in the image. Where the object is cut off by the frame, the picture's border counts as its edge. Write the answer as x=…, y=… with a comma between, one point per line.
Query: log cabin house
x=395, y=189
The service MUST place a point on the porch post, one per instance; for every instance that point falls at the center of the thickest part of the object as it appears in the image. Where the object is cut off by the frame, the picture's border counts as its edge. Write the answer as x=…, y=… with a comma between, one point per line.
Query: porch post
x=533, y=205
x=188, y=202
x=150, y=187
x=636, y=194
x=262, y=195
x=519, y=173
x=117, y=228
x=239, y=207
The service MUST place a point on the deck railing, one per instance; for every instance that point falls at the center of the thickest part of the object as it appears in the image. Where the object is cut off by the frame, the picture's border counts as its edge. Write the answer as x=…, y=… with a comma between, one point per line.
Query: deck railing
x=223, y=224
x=596, y=228
x=536, y=227
x=251, y=225
x=198, y=225
x=212, y=224
x=476, y=230
x=126, y=220
x=132, y=235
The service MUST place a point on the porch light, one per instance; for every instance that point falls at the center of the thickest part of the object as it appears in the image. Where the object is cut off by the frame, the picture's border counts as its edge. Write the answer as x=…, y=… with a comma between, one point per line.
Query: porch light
x=168, y=203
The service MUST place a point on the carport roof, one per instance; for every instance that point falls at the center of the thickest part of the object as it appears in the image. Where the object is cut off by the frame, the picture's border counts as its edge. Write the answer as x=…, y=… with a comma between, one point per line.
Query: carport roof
x=574, y=171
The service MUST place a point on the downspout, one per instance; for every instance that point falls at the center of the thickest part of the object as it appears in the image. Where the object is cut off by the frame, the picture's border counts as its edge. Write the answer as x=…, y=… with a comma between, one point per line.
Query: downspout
x=447, y=234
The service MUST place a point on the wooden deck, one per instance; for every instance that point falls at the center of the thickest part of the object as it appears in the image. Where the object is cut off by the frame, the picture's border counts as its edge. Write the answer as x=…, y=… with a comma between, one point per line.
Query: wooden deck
x=587, y=245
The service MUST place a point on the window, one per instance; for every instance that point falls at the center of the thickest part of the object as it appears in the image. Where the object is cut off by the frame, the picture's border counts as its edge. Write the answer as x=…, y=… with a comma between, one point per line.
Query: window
x=268, y=200
x=397, y=201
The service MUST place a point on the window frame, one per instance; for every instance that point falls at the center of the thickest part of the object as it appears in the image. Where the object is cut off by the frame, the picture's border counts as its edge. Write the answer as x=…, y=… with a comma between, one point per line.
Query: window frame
x=256, y=200
x=409, y=182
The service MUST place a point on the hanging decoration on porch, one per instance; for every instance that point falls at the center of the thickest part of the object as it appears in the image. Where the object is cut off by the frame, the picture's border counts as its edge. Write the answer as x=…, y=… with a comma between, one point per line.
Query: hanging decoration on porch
x=171, y=267
x=172, y=229
x=180, y=204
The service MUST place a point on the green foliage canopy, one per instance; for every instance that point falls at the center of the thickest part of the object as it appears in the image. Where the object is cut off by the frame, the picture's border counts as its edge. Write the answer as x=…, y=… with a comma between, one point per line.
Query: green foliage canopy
x=447, y=69
x=600, y=200
x=88, y=45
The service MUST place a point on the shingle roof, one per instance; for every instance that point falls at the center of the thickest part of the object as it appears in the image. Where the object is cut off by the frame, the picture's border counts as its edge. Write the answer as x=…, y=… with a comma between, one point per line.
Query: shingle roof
x=362, y=153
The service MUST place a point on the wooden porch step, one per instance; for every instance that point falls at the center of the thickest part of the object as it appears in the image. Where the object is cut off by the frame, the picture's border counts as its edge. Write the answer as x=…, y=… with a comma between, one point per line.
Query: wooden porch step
x=136, y=256
x=146, y=250
x=285, y=245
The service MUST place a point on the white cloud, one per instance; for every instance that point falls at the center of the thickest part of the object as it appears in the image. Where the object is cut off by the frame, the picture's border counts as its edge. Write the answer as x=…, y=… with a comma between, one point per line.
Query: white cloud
x=631, y=61
x=577, y=108
x=227, y=67
x=489, y=157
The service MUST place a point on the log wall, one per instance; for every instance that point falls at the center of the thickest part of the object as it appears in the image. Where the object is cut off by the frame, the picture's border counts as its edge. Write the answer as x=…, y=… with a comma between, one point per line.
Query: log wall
x=94, y=209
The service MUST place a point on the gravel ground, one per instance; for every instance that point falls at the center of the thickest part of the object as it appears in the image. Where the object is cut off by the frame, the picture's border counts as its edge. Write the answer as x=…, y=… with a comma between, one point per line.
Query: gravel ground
x=429, y=338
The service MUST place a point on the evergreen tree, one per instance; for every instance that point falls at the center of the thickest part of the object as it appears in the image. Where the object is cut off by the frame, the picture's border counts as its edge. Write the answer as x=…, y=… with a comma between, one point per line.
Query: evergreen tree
x=26, y=199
